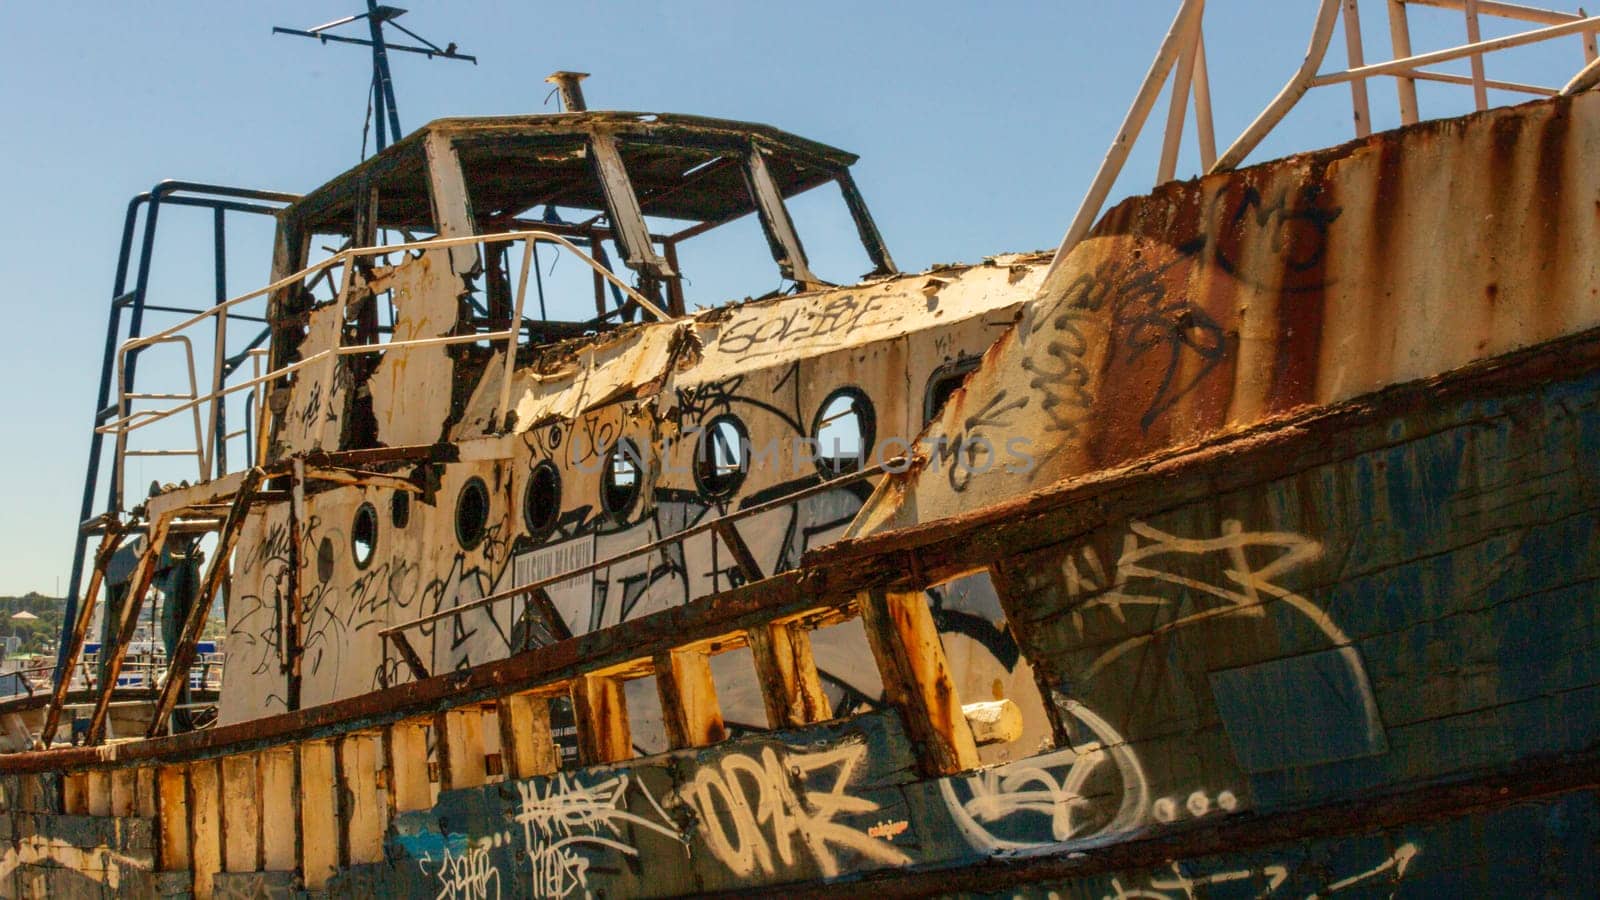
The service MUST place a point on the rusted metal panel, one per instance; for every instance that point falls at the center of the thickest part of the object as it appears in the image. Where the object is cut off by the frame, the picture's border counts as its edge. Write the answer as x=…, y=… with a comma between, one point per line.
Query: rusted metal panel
x=411, y=388
x=314, y=416
x=1216, y=304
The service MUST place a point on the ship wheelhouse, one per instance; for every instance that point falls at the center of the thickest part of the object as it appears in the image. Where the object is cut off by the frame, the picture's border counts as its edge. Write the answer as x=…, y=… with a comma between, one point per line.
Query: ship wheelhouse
x=639, y=183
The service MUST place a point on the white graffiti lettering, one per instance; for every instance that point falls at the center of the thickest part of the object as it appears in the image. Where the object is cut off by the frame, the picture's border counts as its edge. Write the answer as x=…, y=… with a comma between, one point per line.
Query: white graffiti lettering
x=469, y=876
x=567, y=816
x=1051, y=785
x=1270, y=877
x=1249, y=589
x=762, y=835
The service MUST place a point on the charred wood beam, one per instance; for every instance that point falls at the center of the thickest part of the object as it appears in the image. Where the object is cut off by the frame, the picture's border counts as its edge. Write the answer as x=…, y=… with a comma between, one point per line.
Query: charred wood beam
x=871, y=238
x=600, y=706
x=80, y=632
x=742, y=556
x=541, y=601
x=526, y=743
x=675, y=300
x=144, y=573
x=690, y=711
x=916, y=678
x=413, y=661
x=791, y=689
x=627, y=219
x=784, y=241
x=200, y=611
x=345, y=477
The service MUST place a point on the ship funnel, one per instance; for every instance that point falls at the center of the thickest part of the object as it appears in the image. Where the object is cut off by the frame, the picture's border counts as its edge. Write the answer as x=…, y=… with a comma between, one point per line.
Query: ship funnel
x=570, y=84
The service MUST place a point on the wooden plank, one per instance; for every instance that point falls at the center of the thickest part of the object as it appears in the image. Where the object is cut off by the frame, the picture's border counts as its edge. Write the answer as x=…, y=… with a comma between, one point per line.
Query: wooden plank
x=279, y=790
x=629, y=229
x=742, y=556
x=124, y=792
x=319, y=814
x=409, y=789
x=195, y=622
x=241, y=814
x=452, y=204
x=601, y=708
x=545, y=607
x=408, y=653
x=80, y=632
x=205, y=825
x=461, y=749
x=489, y=730
x=173, y=784
x=791, y=689
x=35, y=794
x=916, y=677
x=689, y=708
x=98, y=792
x=144, y=790
x=526, y=744
x=75, y=794
x=112, y=657
x=363, y=811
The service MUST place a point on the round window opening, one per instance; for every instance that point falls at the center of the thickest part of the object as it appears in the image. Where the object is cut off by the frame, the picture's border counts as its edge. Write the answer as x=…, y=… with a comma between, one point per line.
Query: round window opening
x=400, y=509
x=621, y=478
x=722, y=459
x=541, y=504
x=844, y=431
x=472, y=513
x=364, y=535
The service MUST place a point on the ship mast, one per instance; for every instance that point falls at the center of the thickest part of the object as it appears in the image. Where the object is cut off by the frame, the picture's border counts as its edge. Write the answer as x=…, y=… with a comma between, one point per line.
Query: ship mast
x=381, y=93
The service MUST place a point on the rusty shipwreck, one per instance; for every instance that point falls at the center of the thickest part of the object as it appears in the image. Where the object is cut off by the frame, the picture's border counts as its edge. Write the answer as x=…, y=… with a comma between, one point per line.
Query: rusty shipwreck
x=1246, y=546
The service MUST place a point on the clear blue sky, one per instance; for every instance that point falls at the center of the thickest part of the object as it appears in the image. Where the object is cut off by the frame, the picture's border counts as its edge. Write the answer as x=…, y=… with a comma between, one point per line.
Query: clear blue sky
x=979, y=126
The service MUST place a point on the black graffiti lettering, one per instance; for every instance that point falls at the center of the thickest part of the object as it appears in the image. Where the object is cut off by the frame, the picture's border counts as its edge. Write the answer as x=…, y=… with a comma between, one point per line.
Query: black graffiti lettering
x=836, y=320
x=1295, y=227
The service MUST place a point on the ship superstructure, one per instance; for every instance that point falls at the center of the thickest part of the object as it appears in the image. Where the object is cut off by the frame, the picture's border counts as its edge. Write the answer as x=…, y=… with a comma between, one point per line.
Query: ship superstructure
x=1245, y=545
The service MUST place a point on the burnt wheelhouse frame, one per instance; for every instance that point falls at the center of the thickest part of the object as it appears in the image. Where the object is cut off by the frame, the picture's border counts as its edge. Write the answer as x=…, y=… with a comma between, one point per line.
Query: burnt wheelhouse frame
x=619, y=167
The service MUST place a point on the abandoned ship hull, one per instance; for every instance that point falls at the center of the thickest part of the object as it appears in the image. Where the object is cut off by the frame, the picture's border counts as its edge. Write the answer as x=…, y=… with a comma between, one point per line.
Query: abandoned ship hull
x=1447, y=529
x=1302, y=569
x=1382, y=679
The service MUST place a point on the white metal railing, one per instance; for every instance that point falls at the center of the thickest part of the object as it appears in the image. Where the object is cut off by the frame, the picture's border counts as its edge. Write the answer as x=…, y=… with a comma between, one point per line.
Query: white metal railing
x=129, y=421
x=1182, y=55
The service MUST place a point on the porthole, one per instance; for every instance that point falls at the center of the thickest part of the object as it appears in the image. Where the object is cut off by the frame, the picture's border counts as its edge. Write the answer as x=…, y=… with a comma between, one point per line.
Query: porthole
x=364, y=535
x=621, y=479
x=400, y=509
x=541, y=503
x=472, y=513
x=944, y=382
x=722, y=457
x=844, y=430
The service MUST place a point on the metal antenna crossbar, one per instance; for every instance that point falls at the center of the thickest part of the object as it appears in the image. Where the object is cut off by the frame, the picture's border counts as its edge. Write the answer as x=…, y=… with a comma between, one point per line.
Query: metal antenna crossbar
x=382, y=83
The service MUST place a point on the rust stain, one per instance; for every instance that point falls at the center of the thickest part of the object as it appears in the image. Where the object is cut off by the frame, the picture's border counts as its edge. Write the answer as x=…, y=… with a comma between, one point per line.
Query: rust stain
x=1210, y=305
